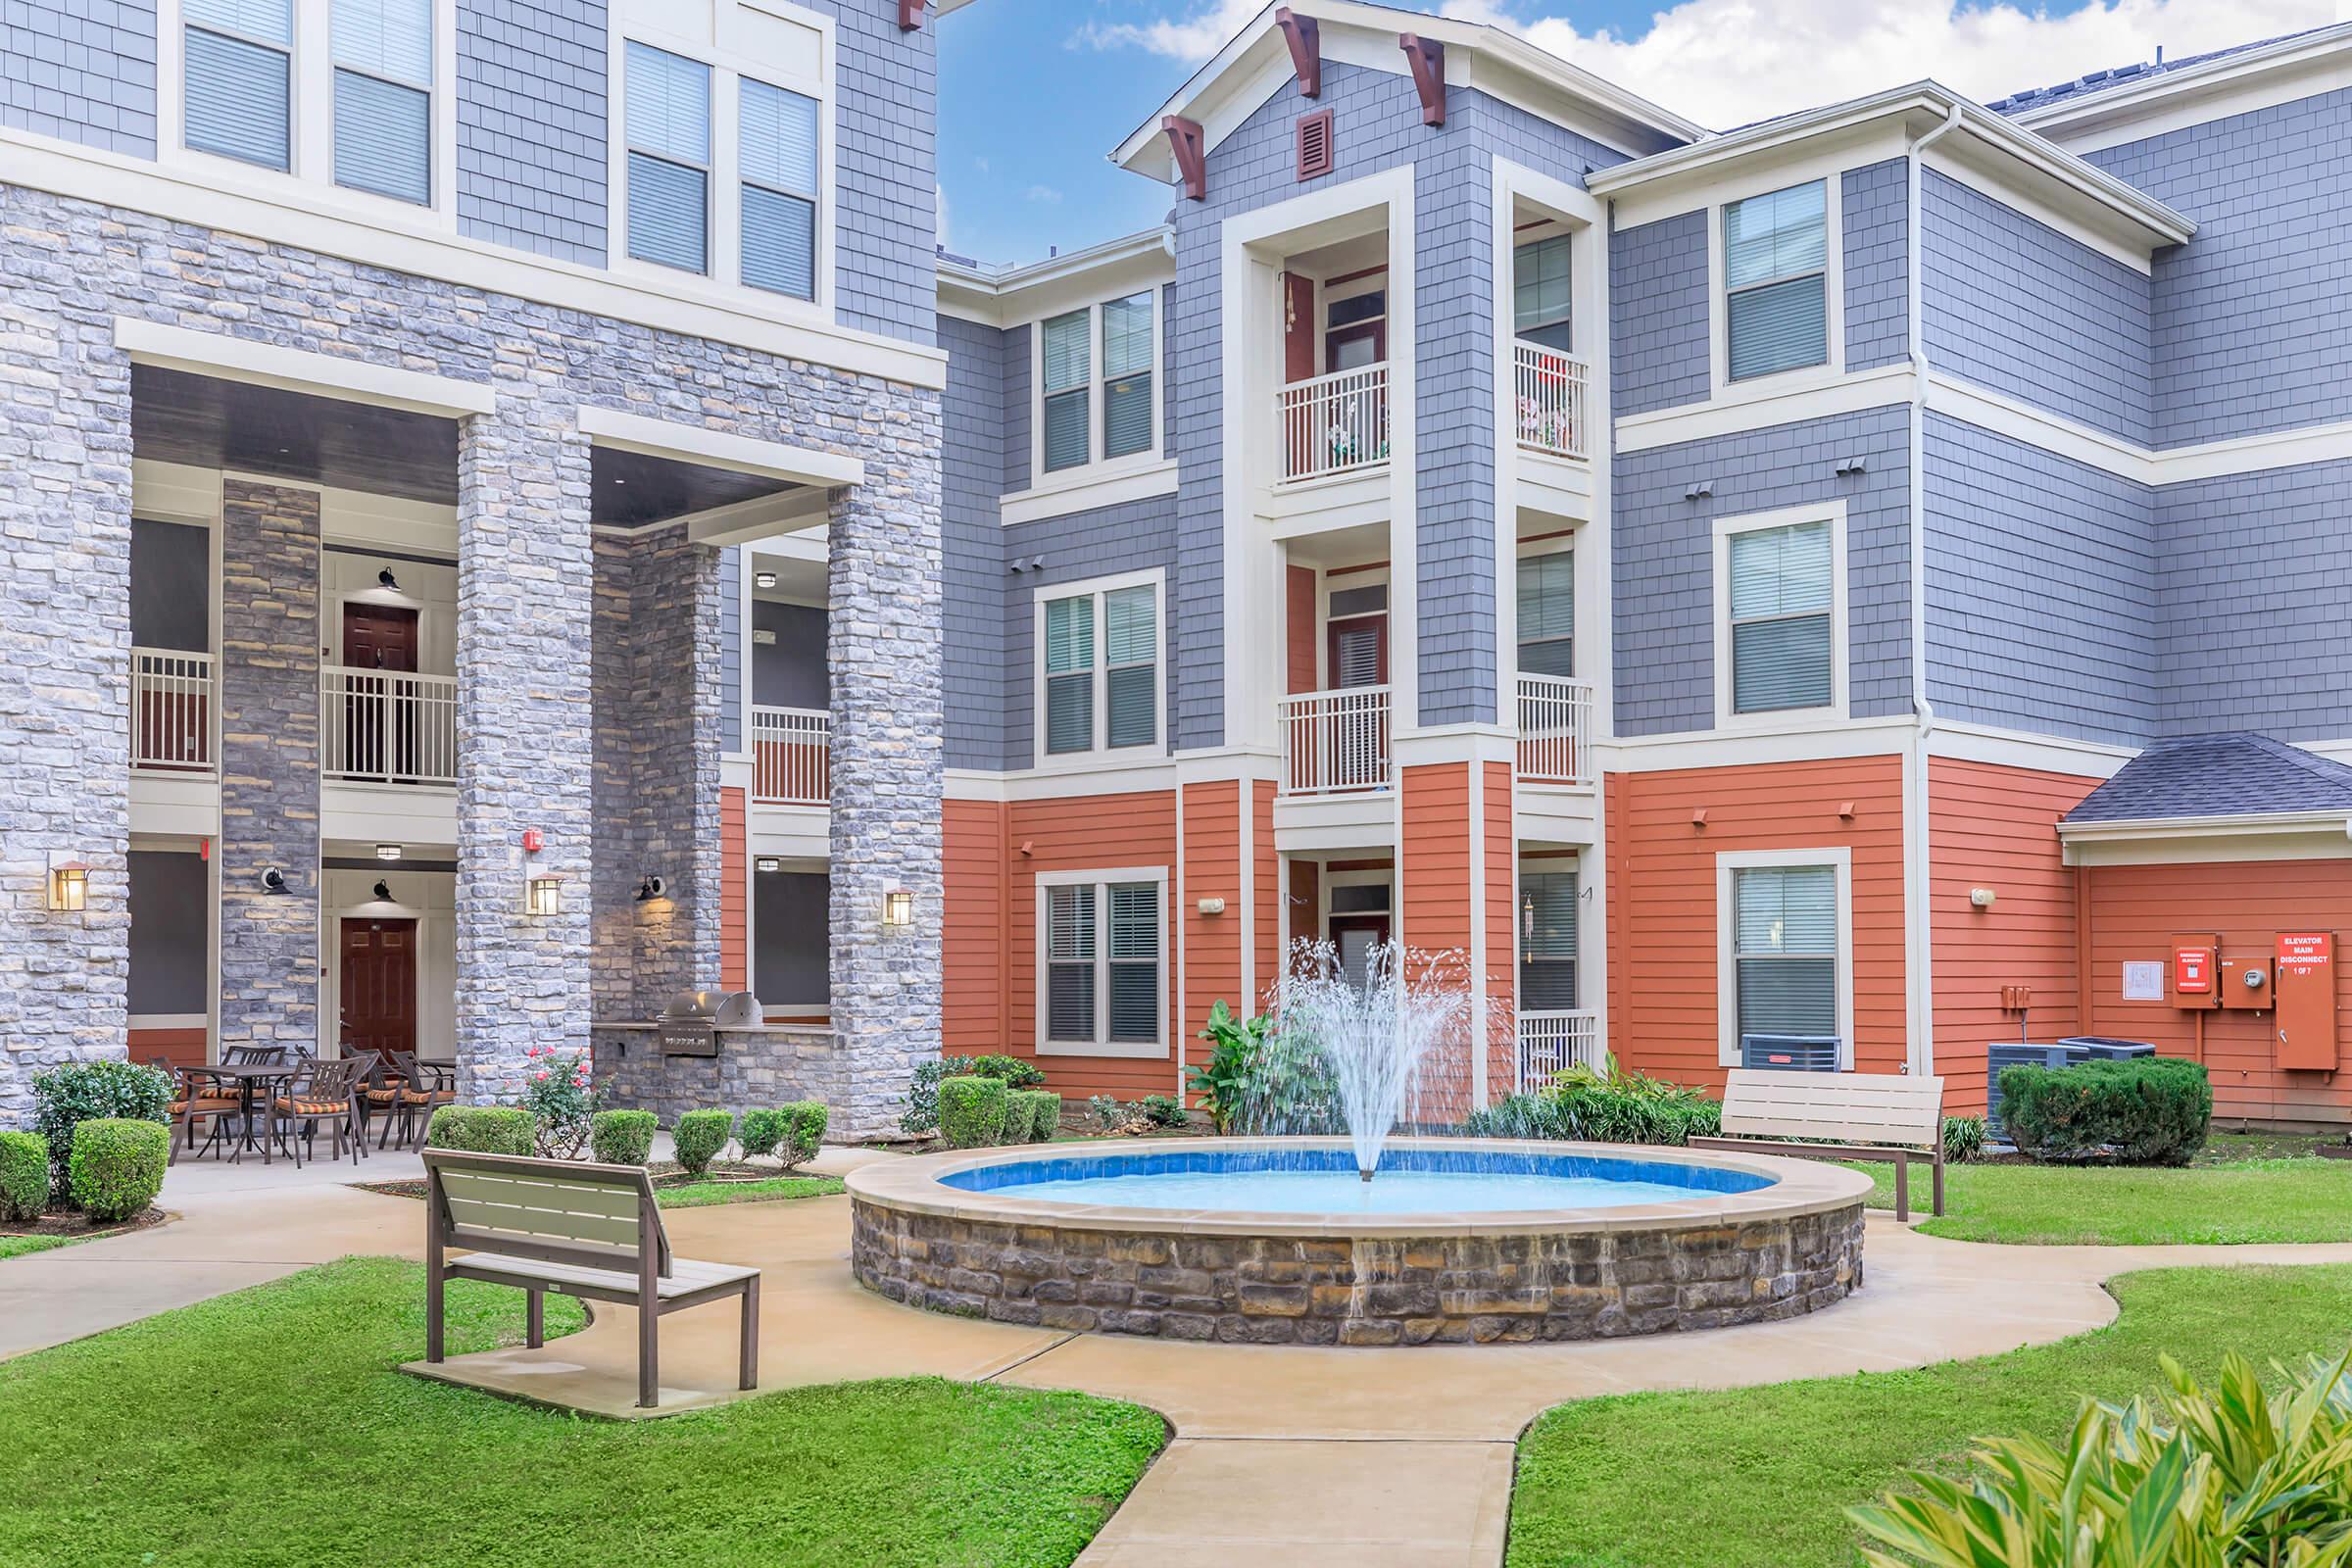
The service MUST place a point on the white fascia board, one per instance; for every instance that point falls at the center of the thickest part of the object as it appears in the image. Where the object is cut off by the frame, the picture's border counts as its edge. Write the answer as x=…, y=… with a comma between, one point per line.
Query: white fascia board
x=1006, y=296
x=2178, y=827
x=331, y=375
x=2094, y=119
x=719, y=449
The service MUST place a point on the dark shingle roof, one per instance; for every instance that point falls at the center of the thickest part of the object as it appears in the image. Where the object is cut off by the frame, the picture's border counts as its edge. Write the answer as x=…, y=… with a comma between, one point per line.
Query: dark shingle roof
x=2218, y=775
x=2119, y=75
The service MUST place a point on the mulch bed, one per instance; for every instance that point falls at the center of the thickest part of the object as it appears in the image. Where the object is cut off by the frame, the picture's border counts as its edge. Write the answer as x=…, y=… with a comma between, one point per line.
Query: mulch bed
x=74, y=1226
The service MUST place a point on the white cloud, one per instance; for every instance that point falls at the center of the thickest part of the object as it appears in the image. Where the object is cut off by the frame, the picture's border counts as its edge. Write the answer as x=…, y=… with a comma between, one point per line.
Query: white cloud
x=1724, y=63
x=1042, y=193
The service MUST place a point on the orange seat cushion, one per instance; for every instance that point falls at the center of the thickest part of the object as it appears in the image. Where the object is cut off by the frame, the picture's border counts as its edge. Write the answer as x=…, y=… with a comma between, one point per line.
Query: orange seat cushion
x=312, y=1107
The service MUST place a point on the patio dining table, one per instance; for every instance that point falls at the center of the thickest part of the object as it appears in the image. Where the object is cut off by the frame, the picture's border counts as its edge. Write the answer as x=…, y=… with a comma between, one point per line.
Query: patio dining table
x=247, y=1076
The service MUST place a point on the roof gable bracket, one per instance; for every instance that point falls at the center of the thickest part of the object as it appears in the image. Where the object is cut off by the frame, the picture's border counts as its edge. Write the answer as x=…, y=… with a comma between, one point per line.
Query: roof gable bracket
x=911, y=15
x=1192, y=154
x=1427, y=57
x=1304, y=34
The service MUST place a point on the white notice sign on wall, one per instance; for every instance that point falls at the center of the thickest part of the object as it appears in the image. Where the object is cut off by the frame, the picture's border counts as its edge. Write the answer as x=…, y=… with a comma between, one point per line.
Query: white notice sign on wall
x=2143, y=982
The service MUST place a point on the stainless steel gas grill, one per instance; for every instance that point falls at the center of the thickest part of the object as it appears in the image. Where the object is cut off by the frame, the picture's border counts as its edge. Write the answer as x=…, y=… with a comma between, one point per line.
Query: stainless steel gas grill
x=689, y=1026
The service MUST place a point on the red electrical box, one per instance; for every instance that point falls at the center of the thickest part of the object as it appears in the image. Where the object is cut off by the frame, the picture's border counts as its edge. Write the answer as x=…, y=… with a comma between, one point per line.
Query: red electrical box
x=2193, y=978
x=2304, y=976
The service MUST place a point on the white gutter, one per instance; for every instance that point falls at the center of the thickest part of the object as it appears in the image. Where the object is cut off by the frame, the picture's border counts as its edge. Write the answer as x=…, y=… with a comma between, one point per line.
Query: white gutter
x=1918, y=880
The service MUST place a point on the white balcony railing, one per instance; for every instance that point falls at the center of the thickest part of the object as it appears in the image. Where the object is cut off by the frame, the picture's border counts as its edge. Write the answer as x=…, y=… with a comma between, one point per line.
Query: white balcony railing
x=1334, y=742
x=1555, y=731
x=1335, y=423
x=1551, y=400
x=1551, y=1043
x=386, y=727
x=171, y=710
x=792, y=762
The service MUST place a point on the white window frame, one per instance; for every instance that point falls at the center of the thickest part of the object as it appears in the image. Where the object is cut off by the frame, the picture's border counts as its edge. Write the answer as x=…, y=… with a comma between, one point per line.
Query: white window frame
x=1830, y=172
x=1533, y=549
x=1100, y=751
x=310, y=181
x=1559, y=230
x=726, y=50
x=1726, y=978
x=1101, y=1045
x=1784, y=719
x=1097, y=465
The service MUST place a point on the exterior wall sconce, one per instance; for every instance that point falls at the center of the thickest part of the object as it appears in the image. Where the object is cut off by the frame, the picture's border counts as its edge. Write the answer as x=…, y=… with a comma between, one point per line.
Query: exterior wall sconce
x=898, y=909
x=546, y=895
x=1210, y=906
x=1981, y=898
x=385, y=579
x=70, y=886
x=651, y=888
x=383, y=893
x=273, y=881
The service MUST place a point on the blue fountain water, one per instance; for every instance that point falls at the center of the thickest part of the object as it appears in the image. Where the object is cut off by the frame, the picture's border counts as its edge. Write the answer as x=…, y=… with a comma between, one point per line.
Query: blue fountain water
x=1412, y=1181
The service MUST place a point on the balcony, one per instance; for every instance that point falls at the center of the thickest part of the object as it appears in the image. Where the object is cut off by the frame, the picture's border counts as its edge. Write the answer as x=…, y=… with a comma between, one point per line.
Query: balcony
x=384, y=726
x=1550, y=389
x=792, y=762
x=1335, y=743
x=1555, y=731
x=171, y=711
x=1334, y=424
x=1551, y=1043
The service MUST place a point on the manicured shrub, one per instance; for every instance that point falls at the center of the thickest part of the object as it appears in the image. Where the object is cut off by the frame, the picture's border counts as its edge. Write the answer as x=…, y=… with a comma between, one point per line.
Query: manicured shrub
x=699, y=1136
x=1045, y=1116
x=921, y=1119
x=1024, y=1114
x=24, y=1175
x=63, y=1097
x=1011, y=1071
x=1164, y=1110
x=2153, y=1111
x=805, y=1123
x=762, y=1129
x=1963, y=1139
x=622, y=1137
x=482, y=1129
x=1603, y=1106
x=118, y=1166
x=2192, y=1479
x=971, y=1111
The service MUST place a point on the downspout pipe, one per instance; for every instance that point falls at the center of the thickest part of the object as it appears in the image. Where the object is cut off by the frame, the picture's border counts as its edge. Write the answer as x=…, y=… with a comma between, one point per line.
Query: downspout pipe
x=1918, y=940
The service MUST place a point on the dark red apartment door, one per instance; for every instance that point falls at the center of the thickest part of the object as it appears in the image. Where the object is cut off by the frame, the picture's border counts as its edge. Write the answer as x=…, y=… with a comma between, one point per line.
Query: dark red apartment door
x=379, y=984
x=380, y=716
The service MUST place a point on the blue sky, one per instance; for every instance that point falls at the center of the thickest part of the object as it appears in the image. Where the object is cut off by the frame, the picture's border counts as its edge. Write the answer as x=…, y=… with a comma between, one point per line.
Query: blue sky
x=1035, y=93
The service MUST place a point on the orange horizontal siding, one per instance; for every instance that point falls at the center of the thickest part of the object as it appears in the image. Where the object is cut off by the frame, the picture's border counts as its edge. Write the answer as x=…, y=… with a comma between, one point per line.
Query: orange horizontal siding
x=734, y=896
x=181, y=1048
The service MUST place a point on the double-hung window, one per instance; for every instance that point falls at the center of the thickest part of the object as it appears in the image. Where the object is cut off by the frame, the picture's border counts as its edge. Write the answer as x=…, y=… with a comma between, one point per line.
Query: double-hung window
x=667, y=120
x=383, y=88
x=1542, y=293
x=1783, y=639
x=780, y=176
x=1547, y=613
x=1101, y=659
x=1101, y=356
x=1776, y=281
x=1127, y=376
x=239, y=87
x=1103, y=962
x=1785, y=941
x=1068, y=387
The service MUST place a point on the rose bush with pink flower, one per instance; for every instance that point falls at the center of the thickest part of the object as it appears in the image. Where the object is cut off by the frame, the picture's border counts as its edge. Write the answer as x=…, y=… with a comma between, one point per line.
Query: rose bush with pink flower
x=561, y=1095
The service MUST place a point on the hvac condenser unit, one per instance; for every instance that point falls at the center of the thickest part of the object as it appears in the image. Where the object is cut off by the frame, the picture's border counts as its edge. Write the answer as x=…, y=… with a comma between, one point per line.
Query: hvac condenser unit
x=2019, y=1053
x=1789, y=1052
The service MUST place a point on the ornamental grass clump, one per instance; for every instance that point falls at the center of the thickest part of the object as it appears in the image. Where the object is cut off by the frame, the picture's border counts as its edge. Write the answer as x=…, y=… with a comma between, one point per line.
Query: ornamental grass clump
x=482, y=1130
x=24, y=1176
x=622, y=1137
x=117, y=1167
x=972, y=1112
x=2155, y=1110
x=699, y=1136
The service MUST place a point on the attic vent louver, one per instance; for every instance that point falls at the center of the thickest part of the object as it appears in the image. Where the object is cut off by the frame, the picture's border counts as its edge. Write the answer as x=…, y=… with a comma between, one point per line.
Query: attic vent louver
x=1314, y=144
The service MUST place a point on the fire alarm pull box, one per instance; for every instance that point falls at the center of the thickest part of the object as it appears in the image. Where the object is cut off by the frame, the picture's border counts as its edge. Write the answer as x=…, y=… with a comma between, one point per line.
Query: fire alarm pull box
x=2304, y=976
x=2245, y=974
x=2195, y=978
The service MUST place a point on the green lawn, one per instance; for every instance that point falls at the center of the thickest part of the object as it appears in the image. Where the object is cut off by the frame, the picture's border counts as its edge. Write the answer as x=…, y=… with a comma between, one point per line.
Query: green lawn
x=1758, y=1478
x=19, y=1245
x=270, y=1428
x=701, y=1194
x=2279, y=1200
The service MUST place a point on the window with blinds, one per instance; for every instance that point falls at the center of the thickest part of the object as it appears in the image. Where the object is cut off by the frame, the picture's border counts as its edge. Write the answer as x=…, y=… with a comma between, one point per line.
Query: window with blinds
x=1547, y=613
x=1127, y=376
x=778, y=154
x=1782, y=640
x=1070, y=962
x=1069, y=388
x=667, y=122
x=1105, y=960
x=1131, y=666
x=1785, y=949
x=1134, y=962
x=1541, y=292
x=1548, y=942
x=1776, y=281
x=1071, y=674
x=1102, y=658
x=383, y=88
x=238, y=87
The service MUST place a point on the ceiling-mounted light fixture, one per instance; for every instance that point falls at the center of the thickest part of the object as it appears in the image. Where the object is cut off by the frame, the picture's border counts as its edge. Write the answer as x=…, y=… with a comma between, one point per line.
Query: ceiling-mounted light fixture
x=767, y=863
x=384, y=578
x=387, y=852
x=764, y=579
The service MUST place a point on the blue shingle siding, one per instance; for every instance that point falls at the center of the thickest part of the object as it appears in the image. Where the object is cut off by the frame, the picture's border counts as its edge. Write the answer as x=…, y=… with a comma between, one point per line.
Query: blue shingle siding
x=731, y=638
x=2042, y=573
x=1106, y=542
x=886, y=197
x=1877, y=262
x=1663, y=558
x=532, y=125
x=2253, y=320
x=2252, y=579
x=1659, y=353
x=2014, y=306
x=81, y=70
x=972, y=477
x=1018, y=353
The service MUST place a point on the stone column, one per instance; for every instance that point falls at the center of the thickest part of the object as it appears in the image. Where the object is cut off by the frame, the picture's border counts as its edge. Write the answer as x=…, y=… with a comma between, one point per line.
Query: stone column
x=269, y=675
x=65, y=668
x=525, y=593
x=883, y=648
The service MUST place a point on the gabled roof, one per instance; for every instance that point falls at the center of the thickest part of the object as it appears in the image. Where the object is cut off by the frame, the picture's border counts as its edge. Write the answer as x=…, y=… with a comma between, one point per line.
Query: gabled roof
x=2035, y=99
x=2202, y=777
x=1237, y=78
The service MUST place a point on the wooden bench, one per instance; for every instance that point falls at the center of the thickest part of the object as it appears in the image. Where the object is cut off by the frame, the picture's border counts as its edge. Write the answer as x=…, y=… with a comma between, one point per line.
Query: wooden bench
x=589, y=1231
x=1862, y=1115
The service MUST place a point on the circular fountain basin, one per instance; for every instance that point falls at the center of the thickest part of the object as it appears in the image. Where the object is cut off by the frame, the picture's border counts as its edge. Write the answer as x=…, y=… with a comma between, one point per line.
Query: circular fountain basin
x=1278, y=1241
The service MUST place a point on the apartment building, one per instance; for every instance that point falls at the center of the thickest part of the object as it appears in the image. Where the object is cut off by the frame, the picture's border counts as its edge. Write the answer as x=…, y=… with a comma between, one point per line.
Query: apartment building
x=394, y=392
x=1845, y=592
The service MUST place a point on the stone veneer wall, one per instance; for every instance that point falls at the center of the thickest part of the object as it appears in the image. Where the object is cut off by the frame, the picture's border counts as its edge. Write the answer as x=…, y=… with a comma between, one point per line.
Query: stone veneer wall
x=753, y=1068
x=65, y=660
x=1290, y=1289
x=268, y=699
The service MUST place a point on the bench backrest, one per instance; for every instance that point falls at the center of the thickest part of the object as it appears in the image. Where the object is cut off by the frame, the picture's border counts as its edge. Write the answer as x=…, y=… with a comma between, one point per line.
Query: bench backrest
x=1853, y=1107
x=554, y=1210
